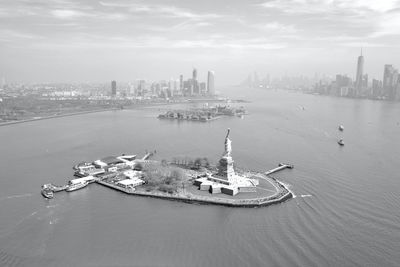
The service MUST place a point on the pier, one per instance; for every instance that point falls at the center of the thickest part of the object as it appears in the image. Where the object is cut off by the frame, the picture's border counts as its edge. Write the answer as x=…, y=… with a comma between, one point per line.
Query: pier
x=148, y=155
x=282, y=166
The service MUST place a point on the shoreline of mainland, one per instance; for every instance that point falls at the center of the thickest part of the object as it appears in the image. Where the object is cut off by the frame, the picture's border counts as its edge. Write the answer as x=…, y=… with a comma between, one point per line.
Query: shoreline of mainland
x=130, y=107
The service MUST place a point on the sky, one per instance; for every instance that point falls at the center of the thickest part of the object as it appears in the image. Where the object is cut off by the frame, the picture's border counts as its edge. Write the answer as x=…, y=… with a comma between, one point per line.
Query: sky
x=88, y=40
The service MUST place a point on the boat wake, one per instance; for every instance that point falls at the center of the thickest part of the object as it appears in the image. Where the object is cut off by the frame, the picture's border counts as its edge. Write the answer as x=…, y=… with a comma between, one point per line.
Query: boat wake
x=288, y=186
x=306, y=195
x=15, y=196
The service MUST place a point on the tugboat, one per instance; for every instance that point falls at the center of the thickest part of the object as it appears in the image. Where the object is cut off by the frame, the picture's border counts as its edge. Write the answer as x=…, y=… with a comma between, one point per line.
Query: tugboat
x=340, y=142
x=341, y=128
x=47, y=192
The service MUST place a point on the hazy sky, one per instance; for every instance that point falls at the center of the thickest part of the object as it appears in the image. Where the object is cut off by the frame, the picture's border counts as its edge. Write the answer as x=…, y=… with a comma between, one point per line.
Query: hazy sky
x=65, y=40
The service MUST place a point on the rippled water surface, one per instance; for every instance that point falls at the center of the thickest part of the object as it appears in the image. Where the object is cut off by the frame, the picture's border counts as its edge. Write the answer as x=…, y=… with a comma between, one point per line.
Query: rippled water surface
x=346, y=211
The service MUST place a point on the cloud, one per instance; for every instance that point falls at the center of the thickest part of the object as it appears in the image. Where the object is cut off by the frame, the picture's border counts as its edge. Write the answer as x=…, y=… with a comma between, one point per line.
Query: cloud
x=161, y=10
x=8, y=35
x=329, y=6
x=276, y=27
x=93, y=41
x=388, y=24
x=377, y=6
x=68, y=14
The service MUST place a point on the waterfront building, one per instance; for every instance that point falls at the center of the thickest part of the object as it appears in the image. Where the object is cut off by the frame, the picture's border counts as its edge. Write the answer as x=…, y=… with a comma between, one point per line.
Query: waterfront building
x=359, y=74
x=194, y=77
x=210, y=83
x=202, y=88
x=130, y=183
x=181, y=83
x=195, y=84
x=113, y=88
x=376, y=88
x=226, y=180
x=390, y=81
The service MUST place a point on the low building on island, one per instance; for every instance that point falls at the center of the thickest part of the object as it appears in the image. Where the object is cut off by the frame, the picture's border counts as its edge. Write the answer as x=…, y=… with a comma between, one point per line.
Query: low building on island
x=226, y=180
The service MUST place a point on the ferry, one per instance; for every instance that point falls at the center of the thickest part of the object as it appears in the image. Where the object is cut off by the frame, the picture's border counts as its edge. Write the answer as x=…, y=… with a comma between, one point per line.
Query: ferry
x=55, y=188
x=341, y=128
x=75, y=185
x=340, y=142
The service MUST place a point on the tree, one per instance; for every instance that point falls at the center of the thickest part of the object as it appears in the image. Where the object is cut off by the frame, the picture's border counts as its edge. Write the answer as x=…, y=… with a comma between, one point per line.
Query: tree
x=138, y=167
x=164, y=163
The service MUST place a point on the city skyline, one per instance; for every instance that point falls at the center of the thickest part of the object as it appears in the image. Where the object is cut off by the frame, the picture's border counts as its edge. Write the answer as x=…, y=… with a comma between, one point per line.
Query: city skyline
x=103, y=40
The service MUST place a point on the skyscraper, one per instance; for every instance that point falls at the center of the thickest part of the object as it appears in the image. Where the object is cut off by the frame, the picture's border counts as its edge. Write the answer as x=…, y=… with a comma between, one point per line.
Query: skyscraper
x=390, y=80
x=195, y=83
x=181, y=83
x=113, y=88
x=210, y=83
x=194, y=74
x=359, y=74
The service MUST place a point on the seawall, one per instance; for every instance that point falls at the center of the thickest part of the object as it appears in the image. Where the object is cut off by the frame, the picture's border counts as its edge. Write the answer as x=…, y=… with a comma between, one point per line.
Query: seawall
x=279, y=197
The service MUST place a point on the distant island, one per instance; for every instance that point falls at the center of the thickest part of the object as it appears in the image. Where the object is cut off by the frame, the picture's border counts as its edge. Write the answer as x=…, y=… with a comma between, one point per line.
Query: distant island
x=203, y=114
x=183, y=179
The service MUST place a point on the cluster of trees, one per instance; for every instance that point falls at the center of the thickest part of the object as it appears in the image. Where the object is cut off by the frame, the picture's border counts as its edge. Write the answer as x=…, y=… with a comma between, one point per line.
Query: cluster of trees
x=162, y=177
x=191, y=163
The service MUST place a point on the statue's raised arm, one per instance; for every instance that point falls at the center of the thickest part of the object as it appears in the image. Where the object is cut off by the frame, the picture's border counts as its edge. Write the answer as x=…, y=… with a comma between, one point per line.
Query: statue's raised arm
x=227, y=134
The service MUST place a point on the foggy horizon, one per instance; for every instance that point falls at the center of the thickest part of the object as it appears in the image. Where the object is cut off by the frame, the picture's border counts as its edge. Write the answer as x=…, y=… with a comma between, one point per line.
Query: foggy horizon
x=77, y=41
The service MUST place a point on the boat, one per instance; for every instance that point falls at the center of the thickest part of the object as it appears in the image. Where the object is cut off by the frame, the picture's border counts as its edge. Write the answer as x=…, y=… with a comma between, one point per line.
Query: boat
x=341, y=128
x=58, y=188
x=82, y=164
x=47, y=192
x=340, y=142
x=72, y=186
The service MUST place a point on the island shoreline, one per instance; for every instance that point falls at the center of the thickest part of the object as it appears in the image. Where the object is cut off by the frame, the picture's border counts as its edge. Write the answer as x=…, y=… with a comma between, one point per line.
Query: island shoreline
x=239, y=203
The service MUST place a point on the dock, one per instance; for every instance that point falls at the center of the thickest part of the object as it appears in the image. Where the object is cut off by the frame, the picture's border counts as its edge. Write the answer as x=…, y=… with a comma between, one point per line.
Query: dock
x=148, y=155
x=282, y=166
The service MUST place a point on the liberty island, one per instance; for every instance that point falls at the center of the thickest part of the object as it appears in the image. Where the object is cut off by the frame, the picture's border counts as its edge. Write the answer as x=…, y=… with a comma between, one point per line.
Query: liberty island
x=221, y=185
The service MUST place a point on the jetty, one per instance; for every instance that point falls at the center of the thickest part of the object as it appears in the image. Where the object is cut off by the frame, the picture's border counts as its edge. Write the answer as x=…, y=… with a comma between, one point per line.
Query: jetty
x=282, y=166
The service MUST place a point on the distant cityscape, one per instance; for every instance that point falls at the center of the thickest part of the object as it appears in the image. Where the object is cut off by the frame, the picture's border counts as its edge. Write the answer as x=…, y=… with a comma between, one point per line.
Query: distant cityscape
x=20, y=101
x=139, y=90
x=342, y=85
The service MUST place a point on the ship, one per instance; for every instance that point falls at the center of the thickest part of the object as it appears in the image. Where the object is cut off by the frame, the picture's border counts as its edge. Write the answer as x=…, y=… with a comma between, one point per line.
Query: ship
x=75, y=185
x=341, y=128
x=340, y=142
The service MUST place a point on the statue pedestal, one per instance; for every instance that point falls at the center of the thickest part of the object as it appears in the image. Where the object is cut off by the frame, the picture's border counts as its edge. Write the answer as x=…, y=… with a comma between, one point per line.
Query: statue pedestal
x=225, y=168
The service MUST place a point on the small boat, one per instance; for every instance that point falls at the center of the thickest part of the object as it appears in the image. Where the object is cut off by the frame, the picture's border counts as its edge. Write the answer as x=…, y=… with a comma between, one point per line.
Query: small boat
x=340, y=142
x=341, y=128
x=75, y=186
x=47, y=192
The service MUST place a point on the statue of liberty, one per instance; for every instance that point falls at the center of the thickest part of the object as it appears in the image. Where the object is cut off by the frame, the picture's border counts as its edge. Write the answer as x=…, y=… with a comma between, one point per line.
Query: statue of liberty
x=228, y=144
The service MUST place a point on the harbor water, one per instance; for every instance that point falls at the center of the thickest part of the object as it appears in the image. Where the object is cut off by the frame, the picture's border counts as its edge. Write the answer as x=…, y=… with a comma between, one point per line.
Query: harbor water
x=346, y=211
